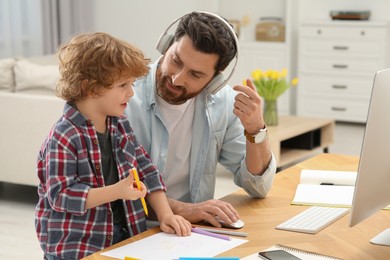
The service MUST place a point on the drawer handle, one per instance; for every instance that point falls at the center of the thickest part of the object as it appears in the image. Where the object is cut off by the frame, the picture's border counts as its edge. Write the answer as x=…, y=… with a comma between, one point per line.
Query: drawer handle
x=339, y=109
x=340, y=66
x=341, y=48
x=340, y=86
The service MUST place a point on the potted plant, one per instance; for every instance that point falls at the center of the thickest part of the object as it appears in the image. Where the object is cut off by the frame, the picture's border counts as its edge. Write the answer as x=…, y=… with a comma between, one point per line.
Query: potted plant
x=270, y=85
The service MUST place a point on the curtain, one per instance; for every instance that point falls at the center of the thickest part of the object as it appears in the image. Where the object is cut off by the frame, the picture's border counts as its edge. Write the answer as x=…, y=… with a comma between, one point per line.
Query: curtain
x=37, y=27
x=62, y=19
x=50, y=26
x=20, y=28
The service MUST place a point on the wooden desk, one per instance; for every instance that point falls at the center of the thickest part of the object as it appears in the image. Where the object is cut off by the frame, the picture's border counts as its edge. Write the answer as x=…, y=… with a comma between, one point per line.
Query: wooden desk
x=319, y=131
x=261, y=217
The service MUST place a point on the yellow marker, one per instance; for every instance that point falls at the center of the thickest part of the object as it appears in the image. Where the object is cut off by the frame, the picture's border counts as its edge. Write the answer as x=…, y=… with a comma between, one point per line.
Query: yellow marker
x=135, y=174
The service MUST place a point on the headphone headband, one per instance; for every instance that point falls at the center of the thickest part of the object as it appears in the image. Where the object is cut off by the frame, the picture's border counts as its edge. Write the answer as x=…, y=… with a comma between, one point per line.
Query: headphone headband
x=218, y=82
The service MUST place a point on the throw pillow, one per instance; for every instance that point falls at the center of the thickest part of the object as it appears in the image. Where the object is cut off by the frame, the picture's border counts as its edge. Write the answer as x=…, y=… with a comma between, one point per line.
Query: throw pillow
x=31, y=76
x=7, y=81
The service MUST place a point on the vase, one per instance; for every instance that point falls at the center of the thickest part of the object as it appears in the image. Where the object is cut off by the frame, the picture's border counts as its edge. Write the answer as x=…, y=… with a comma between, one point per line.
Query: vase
x=270, y=112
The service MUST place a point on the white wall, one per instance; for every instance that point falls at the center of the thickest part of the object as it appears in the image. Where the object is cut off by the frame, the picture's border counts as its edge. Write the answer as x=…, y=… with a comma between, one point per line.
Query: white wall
x=141, y=22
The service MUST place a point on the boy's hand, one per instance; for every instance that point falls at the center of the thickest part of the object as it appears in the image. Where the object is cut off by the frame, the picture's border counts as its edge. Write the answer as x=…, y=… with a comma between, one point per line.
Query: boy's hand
x=175, y=224
x=128, y=190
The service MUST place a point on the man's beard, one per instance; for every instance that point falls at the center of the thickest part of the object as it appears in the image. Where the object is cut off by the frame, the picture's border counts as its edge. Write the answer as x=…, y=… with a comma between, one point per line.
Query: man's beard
x=169, y=96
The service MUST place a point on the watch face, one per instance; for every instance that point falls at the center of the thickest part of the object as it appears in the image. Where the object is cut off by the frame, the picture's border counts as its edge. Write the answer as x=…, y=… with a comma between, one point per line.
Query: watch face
x=259, y=138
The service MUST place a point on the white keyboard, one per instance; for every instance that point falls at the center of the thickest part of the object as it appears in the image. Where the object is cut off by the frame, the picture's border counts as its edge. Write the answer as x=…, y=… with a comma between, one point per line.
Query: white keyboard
x=313, y=219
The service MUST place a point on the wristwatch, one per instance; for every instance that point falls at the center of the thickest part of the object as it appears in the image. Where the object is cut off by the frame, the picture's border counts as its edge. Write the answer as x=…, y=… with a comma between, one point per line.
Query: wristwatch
x=257, y=138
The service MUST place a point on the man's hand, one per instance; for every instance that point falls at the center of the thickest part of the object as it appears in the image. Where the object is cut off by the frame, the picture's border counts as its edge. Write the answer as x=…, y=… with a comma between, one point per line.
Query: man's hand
x=248, y=107
x=205, y=211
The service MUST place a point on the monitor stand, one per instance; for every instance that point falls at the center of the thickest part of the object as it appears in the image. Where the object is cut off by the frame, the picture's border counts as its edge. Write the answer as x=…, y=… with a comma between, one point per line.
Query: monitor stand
x=382, y=239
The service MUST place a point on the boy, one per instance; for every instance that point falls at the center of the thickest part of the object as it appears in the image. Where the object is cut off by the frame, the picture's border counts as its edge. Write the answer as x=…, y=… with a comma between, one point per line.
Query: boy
x=87, y=196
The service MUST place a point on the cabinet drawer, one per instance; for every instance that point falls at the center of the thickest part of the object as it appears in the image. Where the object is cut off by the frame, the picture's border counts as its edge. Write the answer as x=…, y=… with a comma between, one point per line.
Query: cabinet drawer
x=336, y=86
x=348, y=32
x=339, y=109
x=342, y=47
x=340, y=65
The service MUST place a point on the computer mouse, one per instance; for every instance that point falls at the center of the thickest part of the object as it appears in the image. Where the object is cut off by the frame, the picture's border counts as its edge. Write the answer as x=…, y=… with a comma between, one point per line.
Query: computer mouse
x=235, y=225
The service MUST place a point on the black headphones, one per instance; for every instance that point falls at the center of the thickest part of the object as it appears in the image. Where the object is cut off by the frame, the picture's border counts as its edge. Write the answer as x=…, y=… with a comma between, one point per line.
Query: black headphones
x=166, y=40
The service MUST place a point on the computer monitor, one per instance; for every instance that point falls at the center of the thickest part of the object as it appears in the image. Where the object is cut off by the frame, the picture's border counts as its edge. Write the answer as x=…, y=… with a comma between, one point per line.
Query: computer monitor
x=372, y=189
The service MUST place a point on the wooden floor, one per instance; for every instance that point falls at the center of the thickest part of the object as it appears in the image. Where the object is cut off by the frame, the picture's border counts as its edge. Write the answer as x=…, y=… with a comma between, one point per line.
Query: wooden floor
x=17, y=233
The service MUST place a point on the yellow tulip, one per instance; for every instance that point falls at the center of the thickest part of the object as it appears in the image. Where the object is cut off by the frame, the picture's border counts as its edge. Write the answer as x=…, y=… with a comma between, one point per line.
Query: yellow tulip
x=257, y=74
x=244, y=82
x=271, y=83
x=283, y=73
x=275, y=75
x=294, y=82
x=268, y=73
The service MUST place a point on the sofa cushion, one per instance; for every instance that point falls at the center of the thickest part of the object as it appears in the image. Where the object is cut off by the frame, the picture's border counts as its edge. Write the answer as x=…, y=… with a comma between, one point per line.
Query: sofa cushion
x=7, y=82
x=51, y=59
x=31, y=77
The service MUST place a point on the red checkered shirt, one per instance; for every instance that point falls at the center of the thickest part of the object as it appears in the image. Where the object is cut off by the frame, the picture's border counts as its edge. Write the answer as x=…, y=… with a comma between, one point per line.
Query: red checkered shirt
x=68, y=165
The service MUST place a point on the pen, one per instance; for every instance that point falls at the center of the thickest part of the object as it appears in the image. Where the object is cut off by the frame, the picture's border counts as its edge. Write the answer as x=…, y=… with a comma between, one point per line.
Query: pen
x=211, y=234
x=230, y=233
x=136, y=178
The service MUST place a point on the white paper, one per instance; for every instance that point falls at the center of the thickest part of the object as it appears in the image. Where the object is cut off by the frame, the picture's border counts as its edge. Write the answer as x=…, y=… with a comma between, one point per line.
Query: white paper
x=311, y=192
x=316, y=177
x=324, y=195
x=168, y=246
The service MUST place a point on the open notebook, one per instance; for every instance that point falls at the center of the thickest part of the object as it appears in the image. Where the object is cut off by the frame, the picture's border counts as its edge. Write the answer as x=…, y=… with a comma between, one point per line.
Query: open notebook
x=325, y=188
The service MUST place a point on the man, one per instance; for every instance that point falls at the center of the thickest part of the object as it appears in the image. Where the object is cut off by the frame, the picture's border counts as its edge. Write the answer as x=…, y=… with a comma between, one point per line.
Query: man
x=189, y=125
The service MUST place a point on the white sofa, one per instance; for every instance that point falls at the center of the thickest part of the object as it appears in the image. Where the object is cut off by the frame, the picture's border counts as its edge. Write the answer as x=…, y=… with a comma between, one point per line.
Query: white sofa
x=29, y=108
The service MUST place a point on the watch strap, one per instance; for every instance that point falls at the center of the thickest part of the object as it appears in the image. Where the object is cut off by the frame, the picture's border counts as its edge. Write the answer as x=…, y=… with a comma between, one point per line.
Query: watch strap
x=252, y=138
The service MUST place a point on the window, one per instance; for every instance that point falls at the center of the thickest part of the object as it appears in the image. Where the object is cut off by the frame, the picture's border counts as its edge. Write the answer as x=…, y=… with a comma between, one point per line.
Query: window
x=20, y=28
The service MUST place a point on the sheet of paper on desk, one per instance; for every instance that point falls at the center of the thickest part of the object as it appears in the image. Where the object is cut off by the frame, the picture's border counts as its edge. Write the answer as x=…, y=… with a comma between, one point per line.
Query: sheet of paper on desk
x=337, y=191
x=167, y=246
x=316, y=177
x=323, y=195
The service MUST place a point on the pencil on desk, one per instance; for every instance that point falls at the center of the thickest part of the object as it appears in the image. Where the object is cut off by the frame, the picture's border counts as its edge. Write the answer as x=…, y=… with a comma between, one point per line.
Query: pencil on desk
x=137, y=181
x=209, y=258
x=210, y=234
x=225, y=232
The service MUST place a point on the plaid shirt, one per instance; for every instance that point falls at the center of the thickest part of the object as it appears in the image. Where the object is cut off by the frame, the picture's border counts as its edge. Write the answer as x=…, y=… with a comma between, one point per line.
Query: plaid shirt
x=68, y=165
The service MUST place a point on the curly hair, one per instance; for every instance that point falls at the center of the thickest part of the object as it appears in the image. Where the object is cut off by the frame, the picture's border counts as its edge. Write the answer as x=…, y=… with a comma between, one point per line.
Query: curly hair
x=90, y=63
x=209, y=35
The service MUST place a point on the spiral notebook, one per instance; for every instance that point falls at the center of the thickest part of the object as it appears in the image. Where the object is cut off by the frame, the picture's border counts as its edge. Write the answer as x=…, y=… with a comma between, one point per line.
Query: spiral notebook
x=302, y=254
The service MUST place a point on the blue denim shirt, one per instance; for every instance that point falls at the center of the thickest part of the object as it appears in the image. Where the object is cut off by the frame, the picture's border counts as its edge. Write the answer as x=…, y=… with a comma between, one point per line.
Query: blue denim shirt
x=217, y=138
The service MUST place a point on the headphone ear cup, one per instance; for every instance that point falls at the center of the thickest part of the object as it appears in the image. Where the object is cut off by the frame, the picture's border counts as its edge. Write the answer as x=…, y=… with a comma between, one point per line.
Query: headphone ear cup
x=164, y=43
x=216, y=83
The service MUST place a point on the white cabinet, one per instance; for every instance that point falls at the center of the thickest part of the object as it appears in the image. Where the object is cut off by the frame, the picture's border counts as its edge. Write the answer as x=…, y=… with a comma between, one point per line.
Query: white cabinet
x=337, y=63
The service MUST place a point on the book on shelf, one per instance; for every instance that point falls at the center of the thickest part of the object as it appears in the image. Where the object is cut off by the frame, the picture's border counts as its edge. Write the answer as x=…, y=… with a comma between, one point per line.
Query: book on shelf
x=299, y=253
x=326, y=188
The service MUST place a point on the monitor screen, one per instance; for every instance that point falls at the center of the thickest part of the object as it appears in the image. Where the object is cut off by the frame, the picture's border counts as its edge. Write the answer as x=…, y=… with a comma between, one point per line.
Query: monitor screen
x=372, y=189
